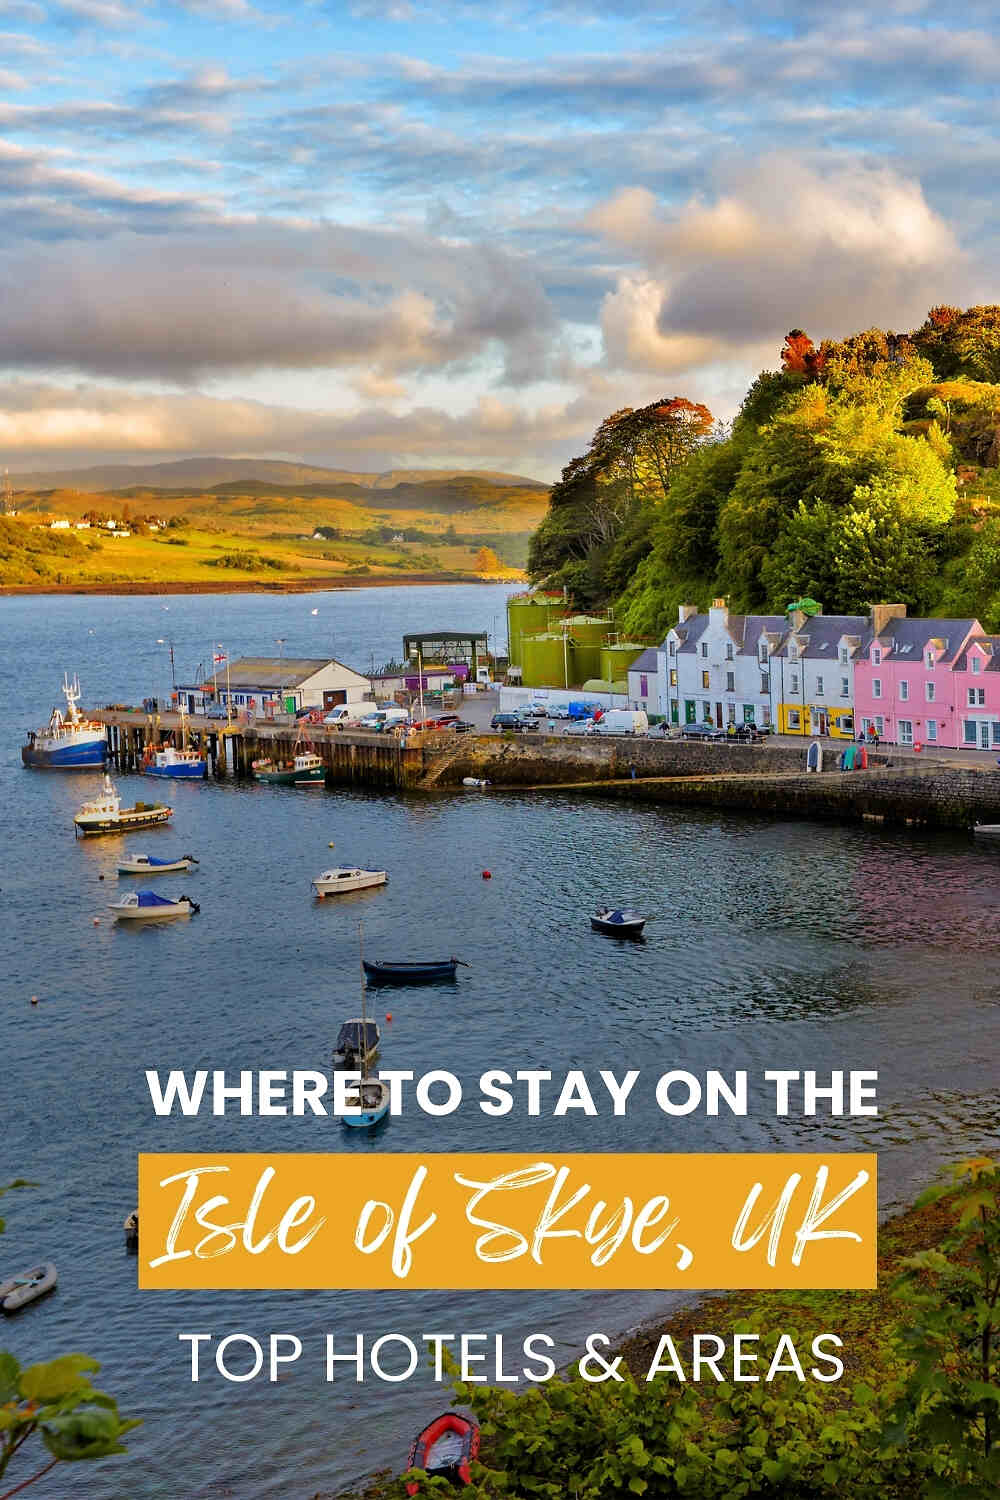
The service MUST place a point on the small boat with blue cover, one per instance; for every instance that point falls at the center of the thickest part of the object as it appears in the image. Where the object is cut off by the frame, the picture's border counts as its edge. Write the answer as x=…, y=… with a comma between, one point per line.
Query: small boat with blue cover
x=618, y=921
x=419, y=972
x=147, y=906
x=148, y=864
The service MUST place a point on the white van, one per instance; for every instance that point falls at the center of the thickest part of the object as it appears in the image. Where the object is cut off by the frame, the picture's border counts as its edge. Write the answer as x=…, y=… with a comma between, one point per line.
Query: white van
x=340, y=714
x=621, y=721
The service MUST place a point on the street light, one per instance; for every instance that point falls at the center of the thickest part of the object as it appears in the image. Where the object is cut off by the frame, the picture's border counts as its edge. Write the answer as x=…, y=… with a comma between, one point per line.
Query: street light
x=415, y=652
x=229, y=696
x=279, y=641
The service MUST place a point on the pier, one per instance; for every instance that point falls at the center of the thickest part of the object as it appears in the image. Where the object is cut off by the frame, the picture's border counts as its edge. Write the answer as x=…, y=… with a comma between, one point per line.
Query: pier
x=351, y=757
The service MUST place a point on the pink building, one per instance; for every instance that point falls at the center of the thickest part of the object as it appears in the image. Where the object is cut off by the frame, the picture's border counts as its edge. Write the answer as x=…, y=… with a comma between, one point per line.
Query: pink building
x=928, y=682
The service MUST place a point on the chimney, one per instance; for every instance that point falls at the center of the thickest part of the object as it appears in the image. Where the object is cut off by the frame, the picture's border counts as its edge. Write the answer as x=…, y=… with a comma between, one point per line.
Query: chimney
x=719, y=613
x=685, y=611
x=881, y=614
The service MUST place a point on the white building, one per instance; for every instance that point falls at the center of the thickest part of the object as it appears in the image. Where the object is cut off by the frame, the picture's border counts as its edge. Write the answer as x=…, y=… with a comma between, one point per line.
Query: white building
x=711, y=669
x=263, y=685
x=812, y=674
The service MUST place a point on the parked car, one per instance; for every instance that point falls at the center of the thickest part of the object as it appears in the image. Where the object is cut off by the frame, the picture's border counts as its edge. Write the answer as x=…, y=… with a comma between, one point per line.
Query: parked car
x=702, y=732
x=216, y=711
x=561, y=711
x=506, y=721
x=533, y=711
x=460, y=726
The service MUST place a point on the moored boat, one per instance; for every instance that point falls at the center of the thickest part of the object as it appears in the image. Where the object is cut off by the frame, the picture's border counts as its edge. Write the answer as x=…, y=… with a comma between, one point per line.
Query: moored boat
x=419, y=972
x=148, y=864
x=69, y=742
x=445, y=1448
x=357, y=1043
x=986, y=830
x=131, y=1228
x=345, y=878
x=147, y=906
x=618, y=921
x=182, y=765
x=105, y=814
x=476, y=781
x=27, y=1286
x=306, y=769
x=368, y=1102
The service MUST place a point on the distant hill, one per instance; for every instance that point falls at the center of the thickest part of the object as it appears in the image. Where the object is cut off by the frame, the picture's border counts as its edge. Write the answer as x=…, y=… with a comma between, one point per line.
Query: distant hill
x=235, y=474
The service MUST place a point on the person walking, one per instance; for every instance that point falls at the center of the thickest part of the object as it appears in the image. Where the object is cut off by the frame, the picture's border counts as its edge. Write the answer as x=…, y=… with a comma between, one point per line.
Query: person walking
x=873, y=735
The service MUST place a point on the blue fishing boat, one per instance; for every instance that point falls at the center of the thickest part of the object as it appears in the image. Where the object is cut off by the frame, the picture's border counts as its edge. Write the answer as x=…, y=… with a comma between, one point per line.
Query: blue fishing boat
x=368, y=1102
x=69, y=742
x=181, y=765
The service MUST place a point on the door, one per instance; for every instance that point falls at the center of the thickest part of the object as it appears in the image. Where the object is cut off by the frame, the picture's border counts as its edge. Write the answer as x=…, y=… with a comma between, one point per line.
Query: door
x=984, y=734
x=690, y=711
x=718, y=716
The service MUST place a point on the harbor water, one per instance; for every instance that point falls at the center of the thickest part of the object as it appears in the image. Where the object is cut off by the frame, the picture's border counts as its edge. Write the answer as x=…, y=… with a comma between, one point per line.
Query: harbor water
x=771, y=944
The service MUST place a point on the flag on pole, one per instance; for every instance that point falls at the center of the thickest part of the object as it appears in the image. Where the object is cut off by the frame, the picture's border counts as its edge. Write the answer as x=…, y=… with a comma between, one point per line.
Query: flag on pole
x=218, y=658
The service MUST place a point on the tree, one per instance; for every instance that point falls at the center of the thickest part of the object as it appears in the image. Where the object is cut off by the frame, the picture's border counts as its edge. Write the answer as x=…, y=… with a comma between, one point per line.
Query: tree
x=486, y=561
x=56, y=1401
x=799, y=355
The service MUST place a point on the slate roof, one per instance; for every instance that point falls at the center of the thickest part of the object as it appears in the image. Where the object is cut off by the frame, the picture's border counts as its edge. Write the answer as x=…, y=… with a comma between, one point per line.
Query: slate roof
x=990, y=644
x=907, y=639
x=689, y=634
x=647, y=662
x=822, y=633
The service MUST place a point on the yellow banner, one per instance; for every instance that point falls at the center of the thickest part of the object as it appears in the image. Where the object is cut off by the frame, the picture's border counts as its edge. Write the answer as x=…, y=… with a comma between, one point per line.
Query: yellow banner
x=507, y=1221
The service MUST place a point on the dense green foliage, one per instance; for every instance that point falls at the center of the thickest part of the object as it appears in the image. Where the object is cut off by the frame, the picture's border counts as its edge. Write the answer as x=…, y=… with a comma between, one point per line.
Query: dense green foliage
x=923, y=1426
x=57, y=1402
x=866, y=469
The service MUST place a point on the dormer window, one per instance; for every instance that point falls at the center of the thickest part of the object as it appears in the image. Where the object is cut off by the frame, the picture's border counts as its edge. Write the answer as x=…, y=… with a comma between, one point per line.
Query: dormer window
x=977, y=665
x=876, y=656
x=843, y=656
x=762, y=653
x=673, y=648
x=929, y=660
x=704, y=648
x=729, y=651
x=793, y=652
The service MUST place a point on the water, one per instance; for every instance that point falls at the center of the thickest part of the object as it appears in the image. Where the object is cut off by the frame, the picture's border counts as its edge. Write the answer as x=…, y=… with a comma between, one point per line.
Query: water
x=770, y=945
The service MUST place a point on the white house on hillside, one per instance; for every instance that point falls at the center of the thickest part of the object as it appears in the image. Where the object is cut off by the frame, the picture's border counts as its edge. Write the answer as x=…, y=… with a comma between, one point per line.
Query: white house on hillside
x=710, y=669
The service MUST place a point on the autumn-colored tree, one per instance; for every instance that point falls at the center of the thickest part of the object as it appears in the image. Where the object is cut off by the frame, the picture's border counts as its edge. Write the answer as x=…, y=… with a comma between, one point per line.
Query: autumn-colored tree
x=799, y=355
x=486, y=561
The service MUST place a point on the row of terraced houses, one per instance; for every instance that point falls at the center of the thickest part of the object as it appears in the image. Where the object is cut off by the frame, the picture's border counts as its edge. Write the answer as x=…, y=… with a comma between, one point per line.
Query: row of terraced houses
x=915, y=681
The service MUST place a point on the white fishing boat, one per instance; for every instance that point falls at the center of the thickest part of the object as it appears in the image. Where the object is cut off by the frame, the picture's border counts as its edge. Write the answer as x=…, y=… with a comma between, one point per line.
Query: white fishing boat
x=147, y=906
x=105, y=814
x=986, y=830
x=476, y=781
x=148, y=864
x=336, y=882
x=27, y=1286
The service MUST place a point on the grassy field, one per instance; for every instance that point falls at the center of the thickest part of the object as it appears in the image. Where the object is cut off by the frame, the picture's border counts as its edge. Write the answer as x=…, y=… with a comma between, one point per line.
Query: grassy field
x=266, y=536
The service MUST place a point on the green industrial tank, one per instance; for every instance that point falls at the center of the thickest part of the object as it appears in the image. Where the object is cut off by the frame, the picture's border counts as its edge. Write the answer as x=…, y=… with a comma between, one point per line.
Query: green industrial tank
x=542, y=661
x=616, y=659
x=586, y=633
x=529, y=614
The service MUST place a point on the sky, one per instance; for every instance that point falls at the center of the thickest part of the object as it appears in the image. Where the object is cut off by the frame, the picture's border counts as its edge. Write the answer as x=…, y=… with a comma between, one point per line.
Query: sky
x=395, y=234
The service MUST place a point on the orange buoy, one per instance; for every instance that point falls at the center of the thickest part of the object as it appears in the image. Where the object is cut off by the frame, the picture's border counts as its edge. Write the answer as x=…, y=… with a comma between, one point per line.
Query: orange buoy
x=388, y=1015
x=487, y=875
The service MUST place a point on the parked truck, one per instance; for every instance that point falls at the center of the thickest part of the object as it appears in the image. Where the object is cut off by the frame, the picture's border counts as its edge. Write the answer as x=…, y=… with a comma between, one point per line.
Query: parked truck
x=621, y=721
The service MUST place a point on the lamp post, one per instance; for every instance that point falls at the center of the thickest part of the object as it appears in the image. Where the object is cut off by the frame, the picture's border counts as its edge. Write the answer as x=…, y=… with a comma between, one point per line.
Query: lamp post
x=416, y=652
x=280, y=643
x=229, y=696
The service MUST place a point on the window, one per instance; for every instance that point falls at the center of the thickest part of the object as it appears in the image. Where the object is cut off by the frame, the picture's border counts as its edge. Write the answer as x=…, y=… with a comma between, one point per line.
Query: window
x=845, y=687
x=749, y=715
x=904, y=690
x=995, y=733
x=977, y=665
x=673, y=648
x=730, y=713
x=969, y=731
x=876, y=656
x=929, y=691
x=876, y=687
x=673, y=676
x=843, y=656
x=929, y=660
x=765, y=716
x=762, y=653
x=765, y=685
x=643, y=685
x=706, y=712
x=729, y=651
x=793, y=652
x=794, y=721
x=906, y=731
x=793, y=683
x=730, y=682
x=819, y=687
x=977, y=696
x=704, y=648
x=932, y=729
x=705, y=680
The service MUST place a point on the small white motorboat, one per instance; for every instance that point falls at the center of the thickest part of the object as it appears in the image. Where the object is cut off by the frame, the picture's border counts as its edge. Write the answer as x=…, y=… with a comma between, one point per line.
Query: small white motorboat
x=336, y=882
x=366, y=1104
x=27, y=1287
x=147, y=906
x=474, y=781
x=986, y=830
x=617, y=921
x=148, y=864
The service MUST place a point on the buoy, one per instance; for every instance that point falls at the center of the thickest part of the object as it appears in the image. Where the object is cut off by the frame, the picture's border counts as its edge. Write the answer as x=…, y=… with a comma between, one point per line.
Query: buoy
x=330, y=844
x=487, y=875
x=388, y=1015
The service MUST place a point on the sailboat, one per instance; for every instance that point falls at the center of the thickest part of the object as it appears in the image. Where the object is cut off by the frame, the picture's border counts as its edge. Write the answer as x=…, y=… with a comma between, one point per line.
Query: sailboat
x=369, y=1102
